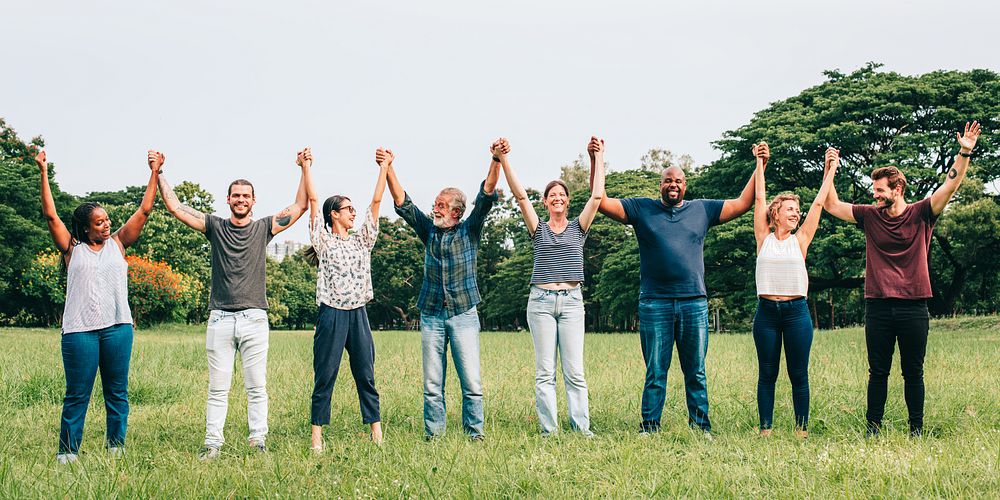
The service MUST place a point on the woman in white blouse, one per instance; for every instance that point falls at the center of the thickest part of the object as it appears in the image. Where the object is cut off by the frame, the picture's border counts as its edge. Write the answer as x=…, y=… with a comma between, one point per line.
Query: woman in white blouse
x=782, y=287
x=343, y=287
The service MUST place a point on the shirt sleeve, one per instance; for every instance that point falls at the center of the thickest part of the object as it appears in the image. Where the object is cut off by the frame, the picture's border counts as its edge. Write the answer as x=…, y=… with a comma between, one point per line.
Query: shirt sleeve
x=859, y=212
x=927, y=211
x=484, y=202
x=418, y=220
x=631, y=207
x=211, y=222
x=369, y=231
x=267, y=223
x=713, y=210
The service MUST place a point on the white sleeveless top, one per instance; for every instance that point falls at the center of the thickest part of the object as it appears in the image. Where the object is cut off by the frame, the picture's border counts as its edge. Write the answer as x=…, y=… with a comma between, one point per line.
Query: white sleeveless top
x=96, y=289
x=781, y=268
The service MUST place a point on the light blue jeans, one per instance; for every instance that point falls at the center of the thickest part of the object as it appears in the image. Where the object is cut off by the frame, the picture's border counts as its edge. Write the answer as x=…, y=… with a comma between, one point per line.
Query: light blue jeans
x=556, y=320
x=462, y=331
x=245, y=331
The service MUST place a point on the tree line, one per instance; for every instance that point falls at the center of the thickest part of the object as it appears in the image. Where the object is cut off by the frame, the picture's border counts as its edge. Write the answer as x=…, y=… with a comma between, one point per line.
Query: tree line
x=875, y=117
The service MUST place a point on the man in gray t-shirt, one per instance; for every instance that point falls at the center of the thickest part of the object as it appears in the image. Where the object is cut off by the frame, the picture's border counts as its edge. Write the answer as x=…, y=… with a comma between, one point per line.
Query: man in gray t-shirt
x=238, y=304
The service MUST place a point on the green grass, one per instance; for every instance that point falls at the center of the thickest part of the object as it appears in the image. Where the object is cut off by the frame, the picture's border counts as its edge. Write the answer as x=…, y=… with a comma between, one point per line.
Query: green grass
x=957, y=457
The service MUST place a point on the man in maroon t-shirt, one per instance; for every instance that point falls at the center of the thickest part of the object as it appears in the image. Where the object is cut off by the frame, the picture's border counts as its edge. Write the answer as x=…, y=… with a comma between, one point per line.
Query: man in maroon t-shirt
x=897, y=281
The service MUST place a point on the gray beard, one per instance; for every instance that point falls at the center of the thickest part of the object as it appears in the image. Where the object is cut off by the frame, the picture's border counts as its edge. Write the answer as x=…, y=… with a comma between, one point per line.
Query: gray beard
x=443, y=223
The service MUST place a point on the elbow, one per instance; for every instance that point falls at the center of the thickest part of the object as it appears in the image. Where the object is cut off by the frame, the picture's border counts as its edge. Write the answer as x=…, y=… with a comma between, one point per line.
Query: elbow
x=597, y=197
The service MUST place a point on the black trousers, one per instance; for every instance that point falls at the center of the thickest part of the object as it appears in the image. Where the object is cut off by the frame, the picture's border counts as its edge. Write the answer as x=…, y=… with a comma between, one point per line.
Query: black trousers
x=886, y=322
x=337, y=329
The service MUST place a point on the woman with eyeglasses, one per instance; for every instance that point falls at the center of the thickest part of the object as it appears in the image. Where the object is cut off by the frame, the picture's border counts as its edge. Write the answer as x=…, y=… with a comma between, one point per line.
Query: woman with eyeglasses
x=343, y=287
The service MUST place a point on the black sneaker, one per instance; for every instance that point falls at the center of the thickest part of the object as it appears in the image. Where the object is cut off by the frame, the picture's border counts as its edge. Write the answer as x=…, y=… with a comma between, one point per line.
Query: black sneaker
x=258, y=445
x=478, y=438
x=649, y=426
x=209, y=453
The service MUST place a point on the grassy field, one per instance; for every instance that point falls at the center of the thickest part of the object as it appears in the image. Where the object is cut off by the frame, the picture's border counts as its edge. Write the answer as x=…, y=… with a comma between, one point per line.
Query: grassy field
x=957, y=457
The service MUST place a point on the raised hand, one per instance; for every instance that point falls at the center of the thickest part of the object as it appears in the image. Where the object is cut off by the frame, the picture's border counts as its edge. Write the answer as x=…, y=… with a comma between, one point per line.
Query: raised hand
x=831, y=160
x=304, y=158
x=384, y=157
x=155, y=160
x=40, y=159
x=500, y=147
x=595, y=147
x=968, y=140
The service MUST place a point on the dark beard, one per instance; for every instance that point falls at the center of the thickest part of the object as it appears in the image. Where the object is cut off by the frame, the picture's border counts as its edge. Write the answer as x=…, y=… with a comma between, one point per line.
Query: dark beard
x=671, y=203
x=238, y=216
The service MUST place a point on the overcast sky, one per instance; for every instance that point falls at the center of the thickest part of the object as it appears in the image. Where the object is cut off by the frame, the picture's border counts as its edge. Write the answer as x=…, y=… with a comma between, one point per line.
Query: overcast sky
x=233, y=89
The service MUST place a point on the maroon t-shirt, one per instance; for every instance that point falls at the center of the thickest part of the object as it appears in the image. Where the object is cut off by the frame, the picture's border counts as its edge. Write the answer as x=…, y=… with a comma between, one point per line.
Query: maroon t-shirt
x=896, y=250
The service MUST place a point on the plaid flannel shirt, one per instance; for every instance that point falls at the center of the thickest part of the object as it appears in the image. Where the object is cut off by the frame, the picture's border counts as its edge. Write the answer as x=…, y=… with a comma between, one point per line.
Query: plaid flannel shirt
x=449, y=284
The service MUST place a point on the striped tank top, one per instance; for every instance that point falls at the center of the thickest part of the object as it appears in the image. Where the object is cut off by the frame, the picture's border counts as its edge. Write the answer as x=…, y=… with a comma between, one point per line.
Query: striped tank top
x=558, y=257
x=96, y=289
x=781, y=268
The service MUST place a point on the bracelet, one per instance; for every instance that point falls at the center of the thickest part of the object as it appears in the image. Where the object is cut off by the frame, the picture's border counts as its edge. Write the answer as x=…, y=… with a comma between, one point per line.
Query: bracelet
x=496, y=159
x=965, y=155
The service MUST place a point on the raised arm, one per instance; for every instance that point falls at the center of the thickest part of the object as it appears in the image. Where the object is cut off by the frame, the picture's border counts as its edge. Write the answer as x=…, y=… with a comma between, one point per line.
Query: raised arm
x=189, y=216
x=288, y=215
x=383, y=173
x=492, y=176
x=736, y=207
x=596, y=150
x=611, y=207
x=760, y=227
x=500, y=148
x=305, y=156
x=966, y=143
x=808, y=230
x=129, y=232
x=832, y=203
x=60, y=235
x=395, y=188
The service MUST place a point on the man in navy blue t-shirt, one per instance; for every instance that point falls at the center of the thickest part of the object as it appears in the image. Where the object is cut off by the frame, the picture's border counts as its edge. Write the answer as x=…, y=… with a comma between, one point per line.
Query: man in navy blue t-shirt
x=673, y=305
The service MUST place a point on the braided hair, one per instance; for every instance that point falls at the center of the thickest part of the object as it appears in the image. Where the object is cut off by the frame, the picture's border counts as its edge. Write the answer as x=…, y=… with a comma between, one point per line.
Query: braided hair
x=81, y=221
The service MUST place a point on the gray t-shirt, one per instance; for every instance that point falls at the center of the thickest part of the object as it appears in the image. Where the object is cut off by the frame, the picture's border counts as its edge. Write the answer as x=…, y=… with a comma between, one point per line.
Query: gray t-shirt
x=239, y=258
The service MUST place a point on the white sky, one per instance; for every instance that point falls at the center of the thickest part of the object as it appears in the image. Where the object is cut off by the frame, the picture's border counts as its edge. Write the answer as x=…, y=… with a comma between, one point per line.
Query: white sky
x=233, y=89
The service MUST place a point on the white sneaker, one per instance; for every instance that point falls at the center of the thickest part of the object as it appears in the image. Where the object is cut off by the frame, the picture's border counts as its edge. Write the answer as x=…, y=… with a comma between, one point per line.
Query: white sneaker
x=67, y=458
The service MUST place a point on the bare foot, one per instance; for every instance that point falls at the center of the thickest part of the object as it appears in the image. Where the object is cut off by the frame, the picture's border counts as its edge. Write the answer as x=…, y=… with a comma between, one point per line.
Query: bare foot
x=376, y=434
x=317, y=439
x=765, y=432
x=801, y=433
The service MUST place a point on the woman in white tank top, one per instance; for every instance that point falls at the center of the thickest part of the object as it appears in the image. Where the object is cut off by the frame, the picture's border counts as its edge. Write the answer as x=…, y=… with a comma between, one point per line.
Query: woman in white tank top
x=782, y=287
x=97, y=322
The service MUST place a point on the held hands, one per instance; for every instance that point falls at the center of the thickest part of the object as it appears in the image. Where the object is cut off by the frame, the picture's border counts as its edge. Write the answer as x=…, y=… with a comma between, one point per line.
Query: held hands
x=831, y=161
x=304, y=158
x=967, y=141
x=595, y=147
x=155, y=160
x=384, y=157
x=762, y=152
x=500, y=147
x=41, y=161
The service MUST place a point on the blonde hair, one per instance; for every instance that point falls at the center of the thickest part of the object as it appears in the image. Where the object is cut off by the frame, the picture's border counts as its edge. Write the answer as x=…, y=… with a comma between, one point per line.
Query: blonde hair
x=772, y=209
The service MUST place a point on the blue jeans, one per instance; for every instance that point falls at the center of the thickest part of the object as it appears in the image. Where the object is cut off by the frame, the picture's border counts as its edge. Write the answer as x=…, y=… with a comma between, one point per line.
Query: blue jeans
x=789, y=323
x=229, y=332
x=436, y=331
x=663, y=322
x=83, y=353
x=556, y=322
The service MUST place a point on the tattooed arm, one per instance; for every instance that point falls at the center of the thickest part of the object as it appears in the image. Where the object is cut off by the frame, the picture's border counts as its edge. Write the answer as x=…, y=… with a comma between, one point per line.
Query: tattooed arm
x=189, y=216
x=956, y=173
x=288, y=215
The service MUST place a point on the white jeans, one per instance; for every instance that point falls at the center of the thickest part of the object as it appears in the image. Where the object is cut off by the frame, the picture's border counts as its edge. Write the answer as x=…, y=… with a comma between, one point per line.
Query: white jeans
x=245, y=331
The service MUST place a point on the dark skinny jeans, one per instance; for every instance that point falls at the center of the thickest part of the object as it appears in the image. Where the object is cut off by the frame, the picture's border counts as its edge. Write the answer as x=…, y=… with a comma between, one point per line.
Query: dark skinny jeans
x=787, y=323
x=886, y=322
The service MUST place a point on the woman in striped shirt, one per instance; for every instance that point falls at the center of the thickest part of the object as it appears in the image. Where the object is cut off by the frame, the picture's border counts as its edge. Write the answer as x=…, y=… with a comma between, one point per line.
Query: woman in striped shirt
x=555, y=303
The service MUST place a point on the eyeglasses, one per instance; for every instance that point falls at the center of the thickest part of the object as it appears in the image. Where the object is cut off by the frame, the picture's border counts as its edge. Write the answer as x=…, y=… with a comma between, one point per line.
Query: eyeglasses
x=350, y=208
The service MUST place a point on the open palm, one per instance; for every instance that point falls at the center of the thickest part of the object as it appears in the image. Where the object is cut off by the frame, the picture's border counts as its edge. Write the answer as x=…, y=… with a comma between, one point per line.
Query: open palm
x=968, y=139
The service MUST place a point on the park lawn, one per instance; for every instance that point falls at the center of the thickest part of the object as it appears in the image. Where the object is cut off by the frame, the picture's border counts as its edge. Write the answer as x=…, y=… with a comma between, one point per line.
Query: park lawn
x=958, y=456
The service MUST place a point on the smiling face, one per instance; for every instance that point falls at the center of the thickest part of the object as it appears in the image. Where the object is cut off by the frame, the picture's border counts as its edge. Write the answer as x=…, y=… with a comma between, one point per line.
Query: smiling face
x=99, y=228
x=884, y=195
x=240, y=200
x=788, y=215
x=446, y=211
x=673, y=184
x=556, y=199
x=345, y=215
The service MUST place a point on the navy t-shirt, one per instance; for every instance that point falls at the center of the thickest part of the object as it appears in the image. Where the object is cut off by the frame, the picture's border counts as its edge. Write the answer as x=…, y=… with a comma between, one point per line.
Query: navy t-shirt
x=671, y=245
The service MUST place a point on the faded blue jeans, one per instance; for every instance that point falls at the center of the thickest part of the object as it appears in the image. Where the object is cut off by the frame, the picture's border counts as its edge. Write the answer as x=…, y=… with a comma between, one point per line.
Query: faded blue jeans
x=110, y=350
x=247, y=333
x=556, y=320
x=462, y=331
x=662, y=323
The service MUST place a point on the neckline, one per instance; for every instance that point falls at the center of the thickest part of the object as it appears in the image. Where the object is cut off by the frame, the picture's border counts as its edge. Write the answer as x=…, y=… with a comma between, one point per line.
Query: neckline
x=560, y=233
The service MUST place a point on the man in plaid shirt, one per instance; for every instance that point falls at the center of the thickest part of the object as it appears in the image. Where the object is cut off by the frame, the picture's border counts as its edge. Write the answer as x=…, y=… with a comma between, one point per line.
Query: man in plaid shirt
x=449, y=294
